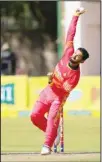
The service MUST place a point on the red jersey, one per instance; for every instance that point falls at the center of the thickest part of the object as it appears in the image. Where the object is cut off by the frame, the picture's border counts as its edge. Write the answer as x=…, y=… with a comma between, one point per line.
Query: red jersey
x=65, y=78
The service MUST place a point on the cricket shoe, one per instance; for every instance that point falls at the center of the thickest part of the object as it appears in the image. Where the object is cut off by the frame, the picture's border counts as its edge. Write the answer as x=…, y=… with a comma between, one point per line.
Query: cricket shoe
x=57, y=140
x=45, y=150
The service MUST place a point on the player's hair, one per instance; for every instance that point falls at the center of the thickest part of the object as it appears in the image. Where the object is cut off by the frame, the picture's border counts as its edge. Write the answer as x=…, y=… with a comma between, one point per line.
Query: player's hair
x=84, y=53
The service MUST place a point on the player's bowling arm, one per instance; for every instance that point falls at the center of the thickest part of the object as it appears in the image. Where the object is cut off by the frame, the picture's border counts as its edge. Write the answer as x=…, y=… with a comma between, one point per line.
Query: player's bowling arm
x=72, y=27
x=71, y=31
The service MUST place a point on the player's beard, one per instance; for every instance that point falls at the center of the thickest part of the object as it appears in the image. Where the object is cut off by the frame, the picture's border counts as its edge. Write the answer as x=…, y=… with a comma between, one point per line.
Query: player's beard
x=74, y=61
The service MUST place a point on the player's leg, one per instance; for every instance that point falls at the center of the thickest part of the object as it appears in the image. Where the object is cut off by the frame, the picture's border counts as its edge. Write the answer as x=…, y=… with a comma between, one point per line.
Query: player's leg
x=52, y=123
x=37, y=115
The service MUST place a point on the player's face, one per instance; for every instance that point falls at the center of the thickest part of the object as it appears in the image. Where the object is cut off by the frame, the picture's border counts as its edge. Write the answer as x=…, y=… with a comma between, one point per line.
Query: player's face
x=77, y=57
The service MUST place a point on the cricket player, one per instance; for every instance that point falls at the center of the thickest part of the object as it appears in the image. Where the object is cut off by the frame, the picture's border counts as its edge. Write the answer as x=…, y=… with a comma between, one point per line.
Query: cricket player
x=63, y=79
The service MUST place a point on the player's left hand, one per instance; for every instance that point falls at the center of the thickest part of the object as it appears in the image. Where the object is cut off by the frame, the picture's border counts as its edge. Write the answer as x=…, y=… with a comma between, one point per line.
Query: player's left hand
x=50, y=74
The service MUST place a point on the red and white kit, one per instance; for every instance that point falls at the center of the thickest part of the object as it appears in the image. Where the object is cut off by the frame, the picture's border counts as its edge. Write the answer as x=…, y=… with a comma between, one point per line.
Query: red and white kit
x=53, y=97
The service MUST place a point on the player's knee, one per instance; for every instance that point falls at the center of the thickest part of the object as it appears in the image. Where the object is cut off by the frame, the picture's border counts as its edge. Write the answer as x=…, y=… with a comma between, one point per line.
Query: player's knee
x=34, y=118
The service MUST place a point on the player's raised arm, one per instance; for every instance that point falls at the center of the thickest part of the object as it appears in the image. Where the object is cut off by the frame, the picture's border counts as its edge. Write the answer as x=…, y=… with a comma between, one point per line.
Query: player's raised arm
x=72, y=27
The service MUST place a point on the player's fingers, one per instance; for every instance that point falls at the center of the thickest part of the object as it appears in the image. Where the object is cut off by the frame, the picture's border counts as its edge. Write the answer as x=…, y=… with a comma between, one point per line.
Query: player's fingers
x=49, y=74
x=83, y=11
x=80, y=10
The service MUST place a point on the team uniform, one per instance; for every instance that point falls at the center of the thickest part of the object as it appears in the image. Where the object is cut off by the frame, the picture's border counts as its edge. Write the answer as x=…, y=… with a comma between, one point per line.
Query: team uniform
x=53, y=97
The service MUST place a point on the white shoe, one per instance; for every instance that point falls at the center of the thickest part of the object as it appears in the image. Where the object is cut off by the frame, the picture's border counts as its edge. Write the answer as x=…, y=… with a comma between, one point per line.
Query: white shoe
x=57, y=140
x=45, y=150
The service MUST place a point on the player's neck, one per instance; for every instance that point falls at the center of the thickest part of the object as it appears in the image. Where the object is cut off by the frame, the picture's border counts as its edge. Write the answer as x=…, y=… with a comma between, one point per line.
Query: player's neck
x=73, y=65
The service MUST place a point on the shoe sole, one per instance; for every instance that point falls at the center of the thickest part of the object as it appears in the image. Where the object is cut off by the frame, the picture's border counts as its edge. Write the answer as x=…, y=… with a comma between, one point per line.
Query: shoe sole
x=46, y=153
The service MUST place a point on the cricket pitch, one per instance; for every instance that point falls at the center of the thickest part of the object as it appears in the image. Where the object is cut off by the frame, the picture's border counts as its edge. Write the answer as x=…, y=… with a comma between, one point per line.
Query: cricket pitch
x=60, y=157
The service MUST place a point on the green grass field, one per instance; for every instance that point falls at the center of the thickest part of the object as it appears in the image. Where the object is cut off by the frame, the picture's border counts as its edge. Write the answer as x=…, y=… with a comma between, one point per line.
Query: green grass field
x=81, y=134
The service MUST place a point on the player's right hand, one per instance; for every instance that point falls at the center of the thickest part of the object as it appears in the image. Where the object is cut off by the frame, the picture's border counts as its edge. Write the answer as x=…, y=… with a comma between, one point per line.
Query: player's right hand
x=79, y=11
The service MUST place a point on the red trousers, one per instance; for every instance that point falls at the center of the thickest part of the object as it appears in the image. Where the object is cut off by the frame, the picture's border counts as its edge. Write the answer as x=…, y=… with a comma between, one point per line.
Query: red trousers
x=51, y=102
